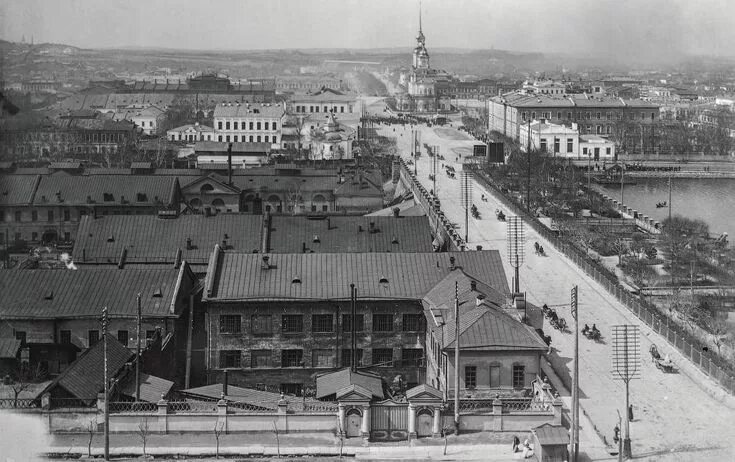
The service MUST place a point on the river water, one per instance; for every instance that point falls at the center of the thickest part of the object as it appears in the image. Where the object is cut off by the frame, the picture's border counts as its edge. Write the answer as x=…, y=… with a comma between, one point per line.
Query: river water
x=709, y=199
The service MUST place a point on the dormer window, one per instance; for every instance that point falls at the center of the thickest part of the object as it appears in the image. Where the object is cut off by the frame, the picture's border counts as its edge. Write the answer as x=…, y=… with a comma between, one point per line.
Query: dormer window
x=296, y=280
x=108, y=197
x=158, y=293
x=383, y=280
x=142, y=197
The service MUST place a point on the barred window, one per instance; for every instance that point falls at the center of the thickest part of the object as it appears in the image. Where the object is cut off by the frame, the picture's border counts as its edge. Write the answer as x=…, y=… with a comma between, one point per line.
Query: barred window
x=519, y=376
x=93, y=336
x=229, y=324
x=383, y=357
x=470, y=377
x=414, y=322
x=322, y=358
x=292, y=323
x=65, y=337
x=261, y=324
x=292, y=358
x=230, y=358
x=347, y=357
x=322, y=323
x=382, y=322
x=347, y=323
x=412, y=357
x=260, y=358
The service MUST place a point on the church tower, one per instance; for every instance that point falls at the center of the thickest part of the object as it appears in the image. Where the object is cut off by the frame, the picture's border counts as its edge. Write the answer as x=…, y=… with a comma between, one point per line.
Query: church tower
x=420, y=55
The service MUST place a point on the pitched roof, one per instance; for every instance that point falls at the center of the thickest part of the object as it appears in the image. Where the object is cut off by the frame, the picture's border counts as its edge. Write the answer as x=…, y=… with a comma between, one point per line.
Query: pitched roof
x=326, y=276
x=68, y=294
x=152, y=388
x=251, y=396
x=84, y=378
x=487, y=327
x=18, y=189
x=239, y=147
x=549, y=434
x=441, y=295
x=332, y=382
x=9, y=348
x=250, y=110
x=77, y=189
x=149, y=239
x=339, y=234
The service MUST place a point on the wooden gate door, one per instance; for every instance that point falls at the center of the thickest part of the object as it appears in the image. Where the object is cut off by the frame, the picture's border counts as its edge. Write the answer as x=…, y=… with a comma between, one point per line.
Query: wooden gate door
x=354, y=424
x=424, y=422
x=389, y=421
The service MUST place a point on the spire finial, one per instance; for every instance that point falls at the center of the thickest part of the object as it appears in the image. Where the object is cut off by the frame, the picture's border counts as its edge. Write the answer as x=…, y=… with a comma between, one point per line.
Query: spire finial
x=420, y=30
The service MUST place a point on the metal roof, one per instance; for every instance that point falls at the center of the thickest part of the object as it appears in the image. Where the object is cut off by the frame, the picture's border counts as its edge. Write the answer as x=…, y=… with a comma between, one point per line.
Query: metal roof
x=91, y=189
x=149, y=239
x=550, y=435
x=152, y=388
x=69, y=294
x=239, y=147
x=248, y=110
x=338, y=234
x=330, y=383
x=325, y=276
x=18, y=189
x=9, y=348
x=84, y=378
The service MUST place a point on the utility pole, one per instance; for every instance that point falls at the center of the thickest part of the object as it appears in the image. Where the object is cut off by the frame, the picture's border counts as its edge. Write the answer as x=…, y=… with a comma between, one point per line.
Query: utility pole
x=528, y=179
x=670, y=204
x=456, y=358
x=626, y=366
x=353, y=303
x=137, y=352
x=107, y=385
x=575, y=378
x=622, y=184
x=435, y=156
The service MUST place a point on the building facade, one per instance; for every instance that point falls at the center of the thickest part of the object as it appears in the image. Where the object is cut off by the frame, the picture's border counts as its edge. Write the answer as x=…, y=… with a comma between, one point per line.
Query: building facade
x=249, y=123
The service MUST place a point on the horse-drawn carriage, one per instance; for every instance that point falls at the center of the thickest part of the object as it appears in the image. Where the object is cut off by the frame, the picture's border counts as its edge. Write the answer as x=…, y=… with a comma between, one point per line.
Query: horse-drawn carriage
x=556, y=321
x=663, y=363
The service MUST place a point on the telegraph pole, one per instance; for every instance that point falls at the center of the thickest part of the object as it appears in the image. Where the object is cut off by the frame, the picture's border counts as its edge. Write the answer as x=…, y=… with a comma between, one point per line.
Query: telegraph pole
x=107, y=385
x=353, y=299
x=456, y=358
x=670, y=204
x=575, y=378
x=137, y=353
x=528, y=179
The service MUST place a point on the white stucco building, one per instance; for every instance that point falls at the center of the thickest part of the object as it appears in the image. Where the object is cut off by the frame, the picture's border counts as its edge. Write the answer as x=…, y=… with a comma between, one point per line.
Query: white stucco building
x=191, y=133
x=249, y=123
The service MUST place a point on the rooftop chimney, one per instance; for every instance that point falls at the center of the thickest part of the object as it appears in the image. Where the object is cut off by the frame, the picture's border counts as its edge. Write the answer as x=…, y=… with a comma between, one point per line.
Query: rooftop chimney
x=479, y=299
x=451, y=263
x=473, y=285
x=265, y=265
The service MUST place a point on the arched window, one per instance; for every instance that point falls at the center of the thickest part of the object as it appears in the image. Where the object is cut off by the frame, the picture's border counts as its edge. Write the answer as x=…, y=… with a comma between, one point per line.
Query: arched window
x=206, y=188
x=195, y=204
x=218, y=204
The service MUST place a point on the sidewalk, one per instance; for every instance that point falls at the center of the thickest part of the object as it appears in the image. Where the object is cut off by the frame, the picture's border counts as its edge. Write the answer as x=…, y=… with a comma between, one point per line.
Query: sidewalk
x=472, y=446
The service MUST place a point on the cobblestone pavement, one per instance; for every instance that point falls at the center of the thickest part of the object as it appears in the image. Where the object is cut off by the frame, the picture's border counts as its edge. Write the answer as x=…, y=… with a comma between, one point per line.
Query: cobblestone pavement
x=675, y=418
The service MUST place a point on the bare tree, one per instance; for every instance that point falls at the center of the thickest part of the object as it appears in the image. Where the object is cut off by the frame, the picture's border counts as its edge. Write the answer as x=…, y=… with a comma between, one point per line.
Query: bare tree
x=278, y=441
x=91, y=430
x=25, y=378
x=219, y=428
x=341, y=436
x=143, y=432
x=719, y=330
x=299, y=124
x=620, y=245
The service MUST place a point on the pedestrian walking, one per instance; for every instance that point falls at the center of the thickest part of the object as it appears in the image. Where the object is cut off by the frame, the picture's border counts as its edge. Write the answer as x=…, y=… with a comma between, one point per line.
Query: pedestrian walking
x=630, y=413
x=516, y=443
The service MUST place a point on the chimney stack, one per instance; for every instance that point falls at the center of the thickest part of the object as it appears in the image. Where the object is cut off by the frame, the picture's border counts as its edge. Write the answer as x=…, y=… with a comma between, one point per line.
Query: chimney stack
x=473, y=285
x=479, y=299
x=265, y=265
x=451, y=263
x=188, y=243
x=225, y=383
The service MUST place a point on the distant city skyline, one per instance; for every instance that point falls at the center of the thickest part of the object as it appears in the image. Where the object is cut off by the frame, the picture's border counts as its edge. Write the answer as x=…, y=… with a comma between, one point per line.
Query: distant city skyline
x=633, y=29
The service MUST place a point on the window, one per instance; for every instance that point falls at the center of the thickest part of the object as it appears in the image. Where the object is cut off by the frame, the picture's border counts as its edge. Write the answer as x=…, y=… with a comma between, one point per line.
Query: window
x=67, y=215
x=234, y=125
x=570, y=145
x=266, y=138
x=122, y=337
x=414, y=322
x=21, y=335
x=275, y=126
x=295, y=389
x=494, y=376
x=322, y=323
x=65, y=337
x=150, y=334
x=257, y=124
x=523, y=116
x=322, y=358
x=533, y=115
x=412, y=357
x=347, y=323
x=543, y=145
x=608, y=116
x=17, y=215
x=382, y=322
x=558, y=115
x=260, y=358
x=93, y=336
x=219, y=138
x=383, y=357
x=556, y=145
x=347, y=357
x=234, y=138
x=607, y=151
x=229, y=324
x=142, y=197
x=470, y=377
x=598, y=116
x=50, y=215
x=653, y=115
x=266, y=126
x=227, y=138
x=519, y=376
x=230, y=358
x=250, y=126
x=219, y=126
x=227, y=125
x=258, y=138
x=569, y=115
x=34, y=215
x=584, y=151
x=261, y=324
x=107, y=197
x=251, y=138
x=587, y=115
x=292, y=358
x=292, y=323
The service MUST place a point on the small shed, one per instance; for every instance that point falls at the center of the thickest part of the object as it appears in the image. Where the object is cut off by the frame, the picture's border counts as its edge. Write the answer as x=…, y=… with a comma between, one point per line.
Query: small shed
x=551, y=443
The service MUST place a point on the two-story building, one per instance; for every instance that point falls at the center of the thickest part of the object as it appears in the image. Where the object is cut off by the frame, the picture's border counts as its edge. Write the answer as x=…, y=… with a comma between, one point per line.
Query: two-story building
x=191, y=133
x=277, y=320
x=249, y=123
x=324, y=101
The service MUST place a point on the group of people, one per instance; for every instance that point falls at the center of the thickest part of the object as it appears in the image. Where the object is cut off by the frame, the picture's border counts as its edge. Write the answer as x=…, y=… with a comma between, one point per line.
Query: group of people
x=593, y=332
x=539, y=249
x=525, y=448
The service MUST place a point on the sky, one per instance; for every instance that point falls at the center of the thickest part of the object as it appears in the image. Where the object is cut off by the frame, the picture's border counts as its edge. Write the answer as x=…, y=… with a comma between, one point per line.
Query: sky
x=617, y=28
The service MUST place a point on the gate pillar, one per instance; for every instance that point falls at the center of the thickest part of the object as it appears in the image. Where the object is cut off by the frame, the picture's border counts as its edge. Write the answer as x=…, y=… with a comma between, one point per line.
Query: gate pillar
x=411, y=421
x=341, y=419
x=436, y=430
x=366, y=423
x=424, y=396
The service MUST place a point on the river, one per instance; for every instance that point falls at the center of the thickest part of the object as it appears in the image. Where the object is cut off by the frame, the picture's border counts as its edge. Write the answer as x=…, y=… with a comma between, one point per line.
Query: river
x=709, y=199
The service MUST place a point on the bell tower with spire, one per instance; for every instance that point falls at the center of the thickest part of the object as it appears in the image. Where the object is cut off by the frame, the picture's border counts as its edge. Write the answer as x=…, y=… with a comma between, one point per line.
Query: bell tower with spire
x=420, y=55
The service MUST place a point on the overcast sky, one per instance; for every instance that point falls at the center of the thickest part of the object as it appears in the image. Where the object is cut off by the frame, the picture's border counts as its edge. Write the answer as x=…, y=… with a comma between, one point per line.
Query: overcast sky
x=613, y=27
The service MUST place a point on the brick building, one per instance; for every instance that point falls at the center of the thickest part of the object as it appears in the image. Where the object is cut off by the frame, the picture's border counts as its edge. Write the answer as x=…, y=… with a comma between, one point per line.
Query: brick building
x=277, y=320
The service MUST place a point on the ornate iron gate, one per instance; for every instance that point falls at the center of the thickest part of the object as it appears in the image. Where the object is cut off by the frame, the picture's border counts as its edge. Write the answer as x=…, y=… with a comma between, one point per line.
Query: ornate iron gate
x=389, y=421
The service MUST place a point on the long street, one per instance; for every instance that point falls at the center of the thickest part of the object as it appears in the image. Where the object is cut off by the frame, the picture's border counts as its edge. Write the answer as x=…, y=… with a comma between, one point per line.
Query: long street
x=674, y=418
